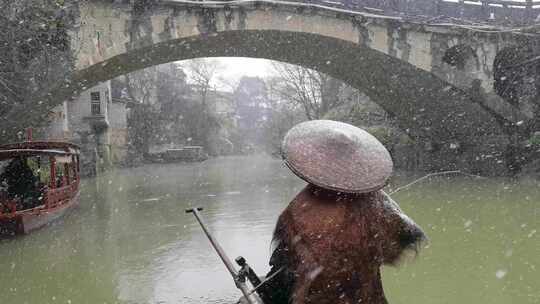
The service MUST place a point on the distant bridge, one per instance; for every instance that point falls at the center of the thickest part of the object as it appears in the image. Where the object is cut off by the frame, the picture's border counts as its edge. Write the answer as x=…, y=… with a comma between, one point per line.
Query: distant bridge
x=422, y=72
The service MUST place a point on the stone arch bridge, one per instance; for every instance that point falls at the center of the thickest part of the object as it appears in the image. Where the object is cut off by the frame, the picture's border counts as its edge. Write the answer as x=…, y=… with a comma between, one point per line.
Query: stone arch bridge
x=419, y=72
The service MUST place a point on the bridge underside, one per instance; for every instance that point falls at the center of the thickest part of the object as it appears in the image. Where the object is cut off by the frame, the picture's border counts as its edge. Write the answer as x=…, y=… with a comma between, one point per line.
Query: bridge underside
x=430, y=109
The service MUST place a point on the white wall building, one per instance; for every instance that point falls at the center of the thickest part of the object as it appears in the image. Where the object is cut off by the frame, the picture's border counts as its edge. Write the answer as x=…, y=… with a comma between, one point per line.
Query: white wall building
x=94, y=121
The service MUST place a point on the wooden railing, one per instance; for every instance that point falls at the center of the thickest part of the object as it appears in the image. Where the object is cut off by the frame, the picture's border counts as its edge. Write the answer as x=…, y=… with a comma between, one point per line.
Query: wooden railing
x=52, y=199
x=8, y=206
x=59, y=196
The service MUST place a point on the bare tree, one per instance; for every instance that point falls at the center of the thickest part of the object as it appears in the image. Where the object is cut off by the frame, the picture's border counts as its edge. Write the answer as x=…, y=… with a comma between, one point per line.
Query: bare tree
x=34, y=56
x=298, y=91
x=284, y=115
x=315, y=92
x=141, y=87
x=202, y=72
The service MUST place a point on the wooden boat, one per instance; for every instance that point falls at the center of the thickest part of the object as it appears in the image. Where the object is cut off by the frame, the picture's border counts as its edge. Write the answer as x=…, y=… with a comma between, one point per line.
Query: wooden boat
x=240, y=277
x=186, y=153
x=183, y=154
x=39, y=182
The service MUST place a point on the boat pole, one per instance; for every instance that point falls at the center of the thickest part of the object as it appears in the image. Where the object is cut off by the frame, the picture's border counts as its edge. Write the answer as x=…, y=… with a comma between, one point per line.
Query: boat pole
x=230, y=267
x=29, y=134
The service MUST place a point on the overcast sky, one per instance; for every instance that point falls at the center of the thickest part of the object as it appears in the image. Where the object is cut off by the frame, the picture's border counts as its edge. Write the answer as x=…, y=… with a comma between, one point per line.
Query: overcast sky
x=233, y=68
x=236, y=67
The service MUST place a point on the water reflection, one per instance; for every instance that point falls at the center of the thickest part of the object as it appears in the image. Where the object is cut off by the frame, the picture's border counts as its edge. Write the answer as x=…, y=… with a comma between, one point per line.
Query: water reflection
x=131, y=242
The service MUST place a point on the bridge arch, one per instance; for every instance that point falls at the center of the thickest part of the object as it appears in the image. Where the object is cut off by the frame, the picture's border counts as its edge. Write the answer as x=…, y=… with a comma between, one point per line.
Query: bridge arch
x=359, y=49
x=430, y=108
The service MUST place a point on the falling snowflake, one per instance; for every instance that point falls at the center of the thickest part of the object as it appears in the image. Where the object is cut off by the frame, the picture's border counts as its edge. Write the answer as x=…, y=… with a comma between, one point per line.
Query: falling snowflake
x=315, y=272
x=501, y=273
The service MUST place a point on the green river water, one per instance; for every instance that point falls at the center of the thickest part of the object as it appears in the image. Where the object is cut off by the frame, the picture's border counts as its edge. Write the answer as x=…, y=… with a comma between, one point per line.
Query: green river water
x=130, y=241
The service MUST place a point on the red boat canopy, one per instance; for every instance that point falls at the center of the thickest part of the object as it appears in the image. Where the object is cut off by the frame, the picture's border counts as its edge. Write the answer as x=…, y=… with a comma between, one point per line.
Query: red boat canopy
x=8, y=154
x=38, y=148
x=41, y=145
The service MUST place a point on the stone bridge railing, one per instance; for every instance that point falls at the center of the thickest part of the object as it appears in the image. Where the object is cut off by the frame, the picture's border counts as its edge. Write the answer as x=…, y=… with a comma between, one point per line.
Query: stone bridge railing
x=495, y=11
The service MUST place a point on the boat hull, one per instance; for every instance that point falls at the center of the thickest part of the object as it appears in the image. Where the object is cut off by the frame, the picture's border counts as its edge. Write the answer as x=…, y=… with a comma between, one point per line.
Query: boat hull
x=26, y=222
x=22, y=212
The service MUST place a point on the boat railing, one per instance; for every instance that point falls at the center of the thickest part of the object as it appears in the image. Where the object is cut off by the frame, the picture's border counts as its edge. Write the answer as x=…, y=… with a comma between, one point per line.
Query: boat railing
x=59, y=196
x=7, y=206
x=52, y=198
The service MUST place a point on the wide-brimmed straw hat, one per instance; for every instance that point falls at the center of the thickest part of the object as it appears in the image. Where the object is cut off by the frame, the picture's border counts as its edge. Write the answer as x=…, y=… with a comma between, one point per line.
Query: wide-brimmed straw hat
x=337, y=156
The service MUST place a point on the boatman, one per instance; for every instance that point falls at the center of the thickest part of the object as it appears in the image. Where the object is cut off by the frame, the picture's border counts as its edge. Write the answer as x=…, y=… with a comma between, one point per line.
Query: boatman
x=332, y=239
x=21, y=181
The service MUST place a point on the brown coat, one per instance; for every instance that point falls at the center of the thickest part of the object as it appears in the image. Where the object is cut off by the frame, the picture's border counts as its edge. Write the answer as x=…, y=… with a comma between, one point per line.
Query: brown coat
x=333, y=245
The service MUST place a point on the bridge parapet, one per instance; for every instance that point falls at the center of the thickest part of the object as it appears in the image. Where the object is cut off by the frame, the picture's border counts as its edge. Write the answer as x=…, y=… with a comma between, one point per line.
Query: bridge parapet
x=497, y=11
x=492, y=11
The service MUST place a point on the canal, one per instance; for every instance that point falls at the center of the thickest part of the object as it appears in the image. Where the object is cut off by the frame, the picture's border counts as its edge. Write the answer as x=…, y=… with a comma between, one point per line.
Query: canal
x=131, y=242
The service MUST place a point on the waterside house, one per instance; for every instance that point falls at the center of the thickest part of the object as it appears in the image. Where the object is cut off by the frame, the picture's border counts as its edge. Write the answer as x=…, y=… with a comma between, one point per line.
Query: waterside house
x=96, y=121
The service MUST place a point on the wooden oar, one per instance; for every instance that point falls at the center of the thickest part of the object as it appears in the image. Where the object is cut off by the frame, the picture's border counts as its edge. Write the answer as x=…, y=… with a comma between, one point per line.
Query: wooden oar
x=240, y=283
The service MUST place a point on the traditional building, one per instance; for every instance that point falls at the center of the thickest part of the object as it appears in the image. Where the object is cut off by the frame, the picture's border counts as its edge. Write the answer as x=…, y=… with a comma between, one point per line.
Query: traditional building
x=97, y=122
